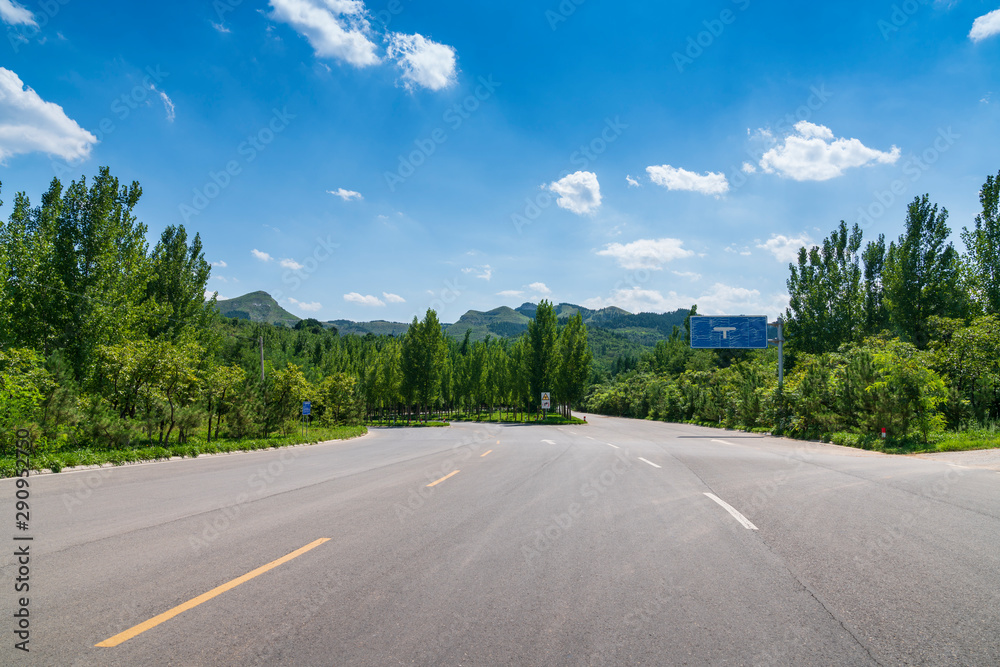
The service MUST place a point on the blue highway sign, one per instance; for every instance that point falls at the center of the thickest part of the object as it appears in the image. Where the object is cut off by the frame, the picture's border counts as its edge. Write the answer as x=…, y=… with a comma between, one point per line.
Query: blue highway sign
x=729, y=332
x=306, y=407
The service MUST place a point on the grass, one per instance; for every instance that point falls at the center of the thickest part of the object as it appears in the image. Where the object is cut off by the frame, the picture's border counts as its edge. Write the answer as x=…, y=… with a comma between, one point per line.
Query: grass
x=56, y=460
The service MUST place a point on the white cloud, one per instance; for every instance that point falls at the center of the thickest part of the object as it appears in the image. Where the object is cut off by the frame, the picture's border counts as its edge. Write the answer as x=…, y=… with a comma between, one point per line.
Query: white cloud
x=736, y=250
x=985, y=26
x=720, y=299
x=424, y=62
x=485, y=272
x=220, y=27
x=308, y=307
x=695, y=277
x=749, y=168
x=579, y=192
x=632, y=183
x=813, y=154
x=209, y=295
x=541, y=288
x=220, y=264
x=393, y=298
x=646, y=253
x=262, y=256
x=366, y=300
x=168, y=104
x=507, y=293
x=29, y=124
x=785, y=248
x=291, y=264
x=346, y=195
x=674, y=178
x=221, y=279
x=14, y=14
x=336, y=29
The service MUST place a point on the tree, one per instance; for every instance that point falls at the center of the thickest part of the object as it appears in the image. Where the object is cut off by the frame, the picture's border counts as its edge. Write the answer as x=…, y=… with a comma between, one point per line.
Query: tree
x=824, y=293
x=983, y=247
x=922, y=274
x=574, y=363
x=542, y=341
x=423, y=355
x=178, y=281
x=875, y=318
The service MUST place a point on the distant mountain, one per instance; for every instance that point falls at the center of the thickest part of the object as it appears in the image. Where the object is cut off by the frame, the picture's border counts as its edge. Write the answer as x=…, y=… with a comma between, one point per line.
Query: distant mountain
x=643, y=329
x=257, y=307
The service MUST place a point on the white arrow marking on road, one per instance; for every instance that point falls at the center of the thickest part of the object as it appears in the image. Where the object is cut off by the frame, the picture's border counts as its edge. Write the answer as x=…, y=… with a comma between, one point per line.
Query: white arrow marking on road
x=725, y=331
x=729, y=508
x=649, y=462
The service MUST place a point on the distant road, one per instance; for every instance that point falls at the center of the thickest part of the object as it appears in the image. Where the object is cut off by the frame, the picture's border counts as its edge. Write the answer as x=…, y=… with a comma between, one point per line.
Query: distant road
x=620, y=542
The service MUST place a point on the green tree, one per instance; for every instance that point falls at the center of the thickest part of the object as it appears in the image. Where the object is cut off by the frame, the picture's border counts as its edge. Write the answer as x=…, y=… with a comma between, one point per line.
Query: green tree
x=983, y=248
x=178, y=281
x=542, y=363
x=574, y=363
x=922, y=274
x=423, y=355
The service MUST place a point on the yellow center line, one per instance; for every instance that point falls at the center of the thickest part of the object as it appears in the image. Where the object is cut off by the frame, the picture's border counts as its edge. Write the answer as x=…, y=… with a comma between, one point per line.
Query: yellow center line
x=443, y=478
x=205, y=597
x=482, y=455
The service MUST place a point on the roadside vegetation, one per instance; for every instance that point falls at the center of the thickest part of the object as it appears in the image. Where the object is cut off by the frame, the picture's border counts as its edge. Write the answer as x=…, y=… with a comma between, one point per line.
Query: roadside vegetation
x=903, y=337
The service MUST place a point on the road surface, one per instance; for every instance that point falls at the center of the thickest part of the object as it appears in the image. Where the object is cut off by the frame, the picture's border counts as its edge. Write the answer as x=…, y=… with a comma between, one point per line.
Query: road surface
x=619, y=542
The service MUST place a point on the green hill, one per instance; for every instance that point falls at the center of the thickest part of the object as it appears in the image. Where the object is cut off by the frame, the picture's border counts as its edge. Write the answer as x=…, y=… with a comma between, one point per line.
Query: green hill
x=257, y=307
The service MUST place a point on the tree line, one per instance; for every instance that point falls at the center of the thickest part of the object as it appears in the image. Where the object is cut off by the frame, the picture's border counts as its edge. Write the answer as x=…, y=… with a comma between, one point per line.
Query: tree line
x=108, y=342
x=902, y=336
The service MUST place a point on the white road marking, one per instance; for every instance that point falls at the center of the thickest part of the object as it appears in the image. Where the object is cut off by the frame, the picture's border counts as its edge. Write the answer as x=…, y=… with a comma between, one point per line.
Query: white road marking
x=591, y=438
x=649, y=462
x=551, y=442
x=610, y=445
x=723, y=442
x=729, y=508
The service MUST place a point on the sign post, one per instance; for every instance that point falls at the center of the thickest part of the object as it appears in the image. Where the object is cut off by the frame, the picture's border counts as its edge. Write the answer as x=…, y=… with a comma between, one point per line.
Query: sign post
x=546, y=402
x=306, y=412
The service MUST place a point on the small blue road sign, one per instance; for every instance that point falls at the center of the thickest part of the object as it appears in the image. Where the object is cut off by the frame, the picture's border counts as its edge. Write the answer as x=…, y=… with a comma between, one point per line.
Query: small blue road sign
x=729, y=332
x=306, y=407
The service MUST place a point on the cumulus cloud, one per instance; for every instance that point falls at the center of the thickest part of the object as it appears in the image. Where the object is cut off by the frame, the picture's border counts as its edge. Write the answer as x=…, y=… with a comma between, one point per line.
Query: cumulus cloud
x=720, y=299
x=262, y=256
x=364, y=300
x=674, y=178
x=14, y=14
x=393, y=298
x=337, y=29
x=541, y=288
x=646, y=253
x=785, y=248
x=291, y=264
x=346, y=195
x=985, y=26
x=632, y=183
x=579, y=192
x=29, y=124
x=424, y=62
x=309, y=307
x=220, y=264
x=814, y=154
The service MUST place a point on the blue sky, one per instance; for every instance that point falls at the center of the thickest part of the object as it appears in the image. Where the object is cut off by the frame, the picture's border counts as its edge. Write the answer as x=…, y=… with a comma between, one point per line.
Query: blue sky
x=368, y=160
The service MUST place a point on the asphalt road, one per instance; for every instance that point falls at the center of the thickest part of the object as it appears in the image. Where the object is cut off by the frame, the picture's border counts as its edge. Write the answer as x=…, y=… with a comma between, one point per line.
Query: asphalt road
x=588, y=545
